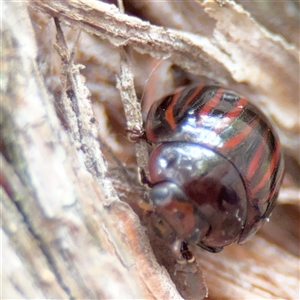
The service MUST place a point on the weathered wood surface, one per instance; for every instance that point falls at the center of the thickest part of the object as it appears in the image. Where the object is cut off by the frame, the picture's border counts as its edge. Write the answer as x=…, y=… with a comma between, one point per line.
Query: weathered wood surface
x=65, y=232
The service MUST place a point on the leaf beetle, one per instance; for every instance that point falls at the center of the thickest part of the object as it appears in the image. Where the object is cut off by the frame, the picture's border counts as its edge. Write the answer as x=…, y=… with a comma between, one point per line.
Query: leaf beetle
x=215, y=169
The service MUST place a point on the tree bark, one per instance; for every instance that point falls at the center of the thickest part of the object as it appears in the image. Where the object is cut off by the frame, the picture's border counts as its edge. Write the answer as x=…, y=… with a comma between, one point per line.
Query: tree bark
x=74, y=216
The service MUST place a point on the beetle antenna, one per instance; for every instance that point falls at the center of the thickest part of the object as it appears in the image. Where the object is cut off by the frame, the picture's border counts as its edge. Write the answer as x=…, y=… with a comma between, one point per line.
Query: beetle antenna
x=147, y=80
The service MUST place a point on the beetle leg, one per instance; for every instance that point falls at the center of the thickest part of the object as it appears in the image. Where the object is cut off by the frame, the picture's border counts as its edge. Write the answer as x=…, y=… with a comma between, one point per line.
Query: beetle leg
x=182, y=252
x=210, y=249
x=144, y=179
x=135, y=133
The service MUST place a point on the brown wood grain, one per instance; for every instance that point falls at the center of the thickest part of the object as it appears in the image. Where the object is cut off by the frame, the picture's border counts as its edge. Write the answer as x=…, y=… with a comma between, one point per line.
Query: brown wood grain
x=74, y=216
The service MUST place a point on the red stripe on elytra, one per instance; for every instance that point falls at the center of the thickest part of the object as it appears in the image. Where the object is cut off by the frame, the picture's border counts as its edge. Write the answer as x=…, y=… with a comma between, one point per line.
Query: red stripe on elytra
x=270, y=195
x=275, y=189
x=212, y=102
x=192, y=97
x=232, y=114
x=269, y=172
x=238, y=108
x=235, y=140
x=169, y=111
x=253, y=165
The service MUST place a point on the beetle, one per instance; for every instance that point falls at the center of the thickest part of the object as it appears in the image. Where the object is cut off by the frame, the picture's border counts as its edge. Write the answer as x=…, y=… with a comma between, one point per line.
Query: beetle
x=215, y=169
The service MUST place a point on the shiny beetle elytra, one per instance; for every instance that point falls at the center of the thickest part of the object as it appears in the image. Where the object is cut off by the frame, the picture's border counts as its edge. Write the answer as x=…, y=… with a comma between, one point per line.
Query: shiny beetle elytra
x=215, y=169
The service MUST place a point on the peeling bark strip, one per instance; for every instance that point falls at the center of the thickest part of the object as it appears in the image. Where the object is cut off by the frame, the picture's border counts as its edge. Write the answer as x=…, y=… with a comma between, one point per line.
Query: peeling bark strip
x=70, y=234
x=132, y=107
x=65, y=233
x=106, y=21
x=241, y=49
